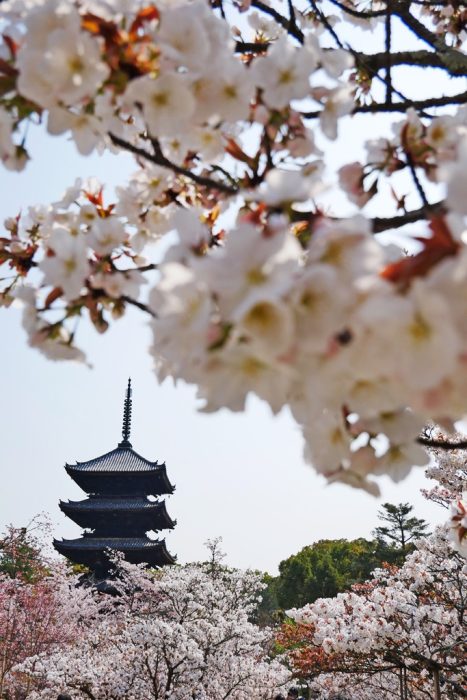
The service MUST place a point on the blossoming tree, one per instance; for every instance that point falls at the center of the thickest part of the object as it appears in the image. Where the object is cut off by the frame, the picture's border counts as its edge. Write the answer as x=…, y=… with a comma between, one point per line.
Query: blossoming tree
x=401, y=635
x=184, y=633
x=273, y=284
x=38, y=617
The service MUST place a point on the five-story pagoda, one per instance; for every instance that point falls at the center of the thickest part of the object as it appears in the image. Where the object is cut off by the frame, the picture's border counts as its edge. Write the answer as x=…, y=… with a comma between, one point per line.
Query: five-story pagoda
x=121, y=508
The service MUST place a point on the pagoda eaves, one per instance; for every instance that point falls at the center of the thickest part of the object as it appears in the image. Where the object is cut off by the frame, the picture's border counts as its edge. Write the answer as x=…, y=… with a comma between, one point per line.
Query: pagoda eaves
x=138, y=514
x=121, y=471
x=96, y=552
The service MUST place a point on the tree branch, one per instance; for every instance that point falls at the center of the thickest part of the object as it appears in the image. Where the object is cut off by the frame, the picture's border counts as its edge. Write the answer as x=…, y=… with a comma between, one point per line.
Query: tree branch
x=368, y=14
x=280, y=19
x=442, y=444
x=254, y=47
x=451, y=57
x=379, y=225
x=377, y=107
x=159, y=159
x=421, y=58
x=139, y=305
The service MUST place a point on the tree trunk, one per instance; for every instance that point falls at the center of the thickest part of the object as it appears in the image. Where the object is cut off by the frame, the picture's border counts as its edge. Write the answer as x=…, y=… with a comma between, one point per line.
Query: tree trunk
x=436, y=685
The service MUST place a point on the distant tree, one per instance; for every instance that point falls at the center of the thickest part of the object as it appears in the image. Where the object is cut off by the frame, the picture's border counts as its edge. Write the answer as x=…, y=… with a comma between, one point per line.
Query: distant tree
x=268, y=611
x=22, y=550
x=320, y=570
x=401, y=530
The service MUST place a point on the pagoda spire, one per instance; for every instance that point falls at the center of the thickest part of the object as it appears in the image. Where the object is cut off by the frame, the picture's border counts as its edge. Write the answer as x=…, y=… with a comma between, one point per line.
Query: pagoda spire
x=126, y=427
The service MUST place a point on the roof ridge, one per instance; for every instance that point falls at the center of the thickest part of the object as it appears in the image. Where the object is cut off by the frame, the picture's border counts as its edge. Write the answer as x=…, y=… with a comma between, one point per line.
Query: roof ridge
x=118, y=449
x=115, y=453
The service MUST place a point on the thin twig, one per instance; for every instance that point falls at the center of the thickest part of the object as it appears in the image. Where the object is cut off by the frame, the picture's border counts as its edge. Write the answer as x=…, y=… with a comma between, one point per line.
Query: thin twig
x=416, y=179
x=139, y=305
x=159, y=159
x=369, y=14
x=280, y=19
x=388, y=55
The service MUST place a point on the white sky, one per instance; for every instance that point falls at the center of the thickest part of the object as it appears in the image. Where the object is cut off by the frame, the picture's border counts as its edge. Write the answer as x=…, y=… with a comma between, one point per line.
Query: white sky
x=238, y=476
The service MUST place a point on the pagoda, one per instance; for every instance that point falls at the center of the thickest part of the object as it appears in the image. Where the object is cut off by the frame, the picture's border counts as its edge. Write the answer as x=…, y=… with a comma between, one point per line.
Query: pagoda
x=123, y=505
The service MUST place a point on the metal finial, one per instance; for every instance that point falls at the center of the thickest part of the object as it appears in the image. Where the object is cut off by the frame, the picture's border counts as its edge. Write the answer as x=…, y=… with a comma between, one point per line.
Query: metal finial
x=127, y=406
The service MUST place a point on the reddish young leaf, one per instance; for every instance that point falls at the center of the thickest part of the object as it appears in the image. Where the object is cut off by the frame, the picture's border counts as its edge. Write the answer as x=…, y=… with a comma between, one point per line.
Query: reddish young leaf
x=441, y=245
x=96, y=199
x=234, y=150
x=12, y=45
x=146, y=14
x=102, y=27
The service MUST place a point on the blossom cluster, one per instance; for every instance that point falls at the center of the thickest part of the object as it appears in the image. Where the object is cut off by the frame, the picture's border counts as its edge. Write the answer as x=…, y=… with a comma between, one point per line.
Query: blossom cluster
x=264, y=291
x=100, y=72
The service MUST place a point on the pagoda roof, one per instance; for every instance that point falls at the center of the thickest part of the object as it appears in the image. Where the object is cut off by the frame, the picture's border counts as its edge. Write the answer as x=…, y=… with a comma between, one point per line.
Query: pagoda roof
x=119, y=506
x=120, y=544
x=114, y=503
x=122, y=459
x=91, y=550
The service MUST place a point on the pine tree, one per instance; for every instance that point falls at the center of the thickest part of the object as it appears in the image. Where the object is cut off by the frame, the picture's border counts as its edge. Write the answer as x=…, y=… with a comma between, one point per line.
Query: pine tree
x=401, y=530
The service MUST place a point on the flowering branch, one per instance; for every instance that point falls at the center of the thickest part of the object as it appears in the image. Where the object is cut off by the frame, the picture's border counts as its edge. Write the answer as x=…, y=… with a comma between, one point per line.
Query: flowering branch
x=159, y=159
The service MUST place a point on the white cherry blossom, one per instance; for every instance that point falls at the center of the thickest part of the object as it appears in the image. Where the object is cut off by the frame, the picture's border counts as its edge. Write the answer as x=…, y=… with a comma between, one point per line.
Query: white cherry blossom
x=284, y=74
x=68, y=68
x=66, y=266
x=167, y=102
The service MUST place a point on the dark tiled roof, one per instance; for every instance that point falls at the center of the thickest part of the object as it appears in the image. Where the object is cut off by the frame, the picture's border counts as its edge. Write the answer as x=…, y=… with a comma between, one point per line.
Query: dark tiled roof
x=114, y=504
x=118, y=543
x=121, y=459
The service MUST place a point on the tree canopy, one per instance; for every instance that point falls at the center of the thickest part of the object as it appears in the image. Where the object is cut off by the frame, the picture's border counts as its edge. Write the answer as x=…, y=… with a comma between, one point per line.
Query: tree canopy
x=321, y=570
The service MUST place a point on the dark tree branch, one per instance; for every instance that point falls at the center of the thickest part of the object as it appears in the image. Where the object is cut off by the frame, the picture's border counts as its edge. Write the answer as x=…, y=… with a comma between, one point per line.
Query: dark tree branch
x=284, y=22
x=159, y=159
x=379, y=224
x=292, y=19
x=139, y=305
x=421, y=58
x=442, y=444
x=377, y=107
x=388, y=55
x=253, y=47
x=368, y=14
x=416, y=180
x=451, y=57
x=145, y=268
x=324, y=20
x=326, y=23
